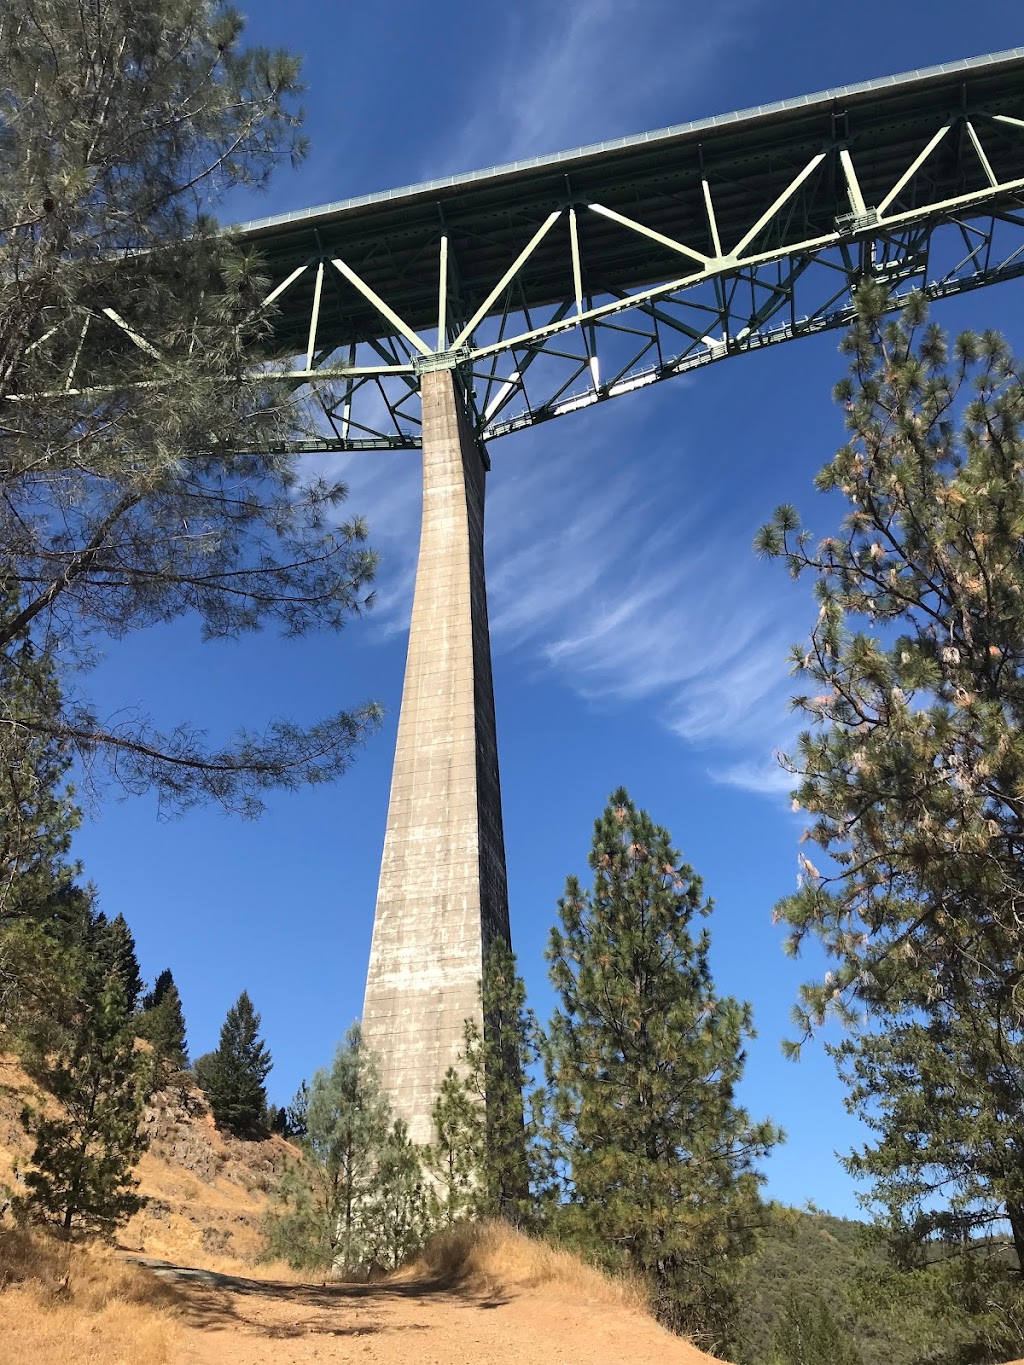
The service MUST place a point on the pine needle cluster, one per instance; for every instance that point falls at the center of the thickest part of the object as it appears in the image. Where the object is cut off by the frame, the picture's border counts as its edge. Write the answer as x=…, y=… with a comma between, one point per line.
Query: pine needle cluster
x=142, y=448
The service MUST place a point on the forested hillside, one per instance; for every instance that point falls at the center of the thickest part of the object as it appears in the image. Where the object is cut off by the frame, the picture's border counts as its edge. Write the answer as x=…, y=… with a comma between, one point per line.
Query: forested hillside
x=822, y=1290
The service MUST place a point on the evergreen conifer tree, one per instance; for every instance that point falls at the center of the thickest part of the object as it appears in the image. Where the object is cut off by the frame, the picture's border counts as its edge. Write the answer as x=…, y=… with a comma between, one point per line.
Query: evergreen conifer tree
x=644, y=1057
x=485, y=1150
x=115, y=952
x=397, y=1215
x=914, y=770
x=232, y=1077
x=323, y=1213
x=296, y=1112
x=202, y=1069
x=456, y=1156
x=37, y=810
x=81, y=1168
x=162, y=1022
x=63, y=968
x=37, y=819
x=501, y=1059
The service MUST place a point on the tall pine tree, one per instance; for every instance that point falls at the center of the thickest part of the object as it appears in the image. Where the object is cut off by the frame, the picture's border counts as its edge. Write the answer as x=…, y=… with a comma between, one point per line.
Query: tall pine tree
x=398, y=1212
x=456, y=1157
x=37, y=810
x=644, y=1057
x=913, y=772
x=501, y=1057
x=87, y=1132
x=484, y=1149
x=37, y=819
x=232, y=1076
x=162, y=1022
x=115, y=951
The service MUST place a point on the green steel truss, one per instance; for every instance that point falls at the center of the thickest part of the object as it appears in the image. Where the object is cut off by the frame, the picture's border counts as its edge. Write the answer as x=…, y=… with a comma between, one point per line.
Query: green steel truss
x=555, y=284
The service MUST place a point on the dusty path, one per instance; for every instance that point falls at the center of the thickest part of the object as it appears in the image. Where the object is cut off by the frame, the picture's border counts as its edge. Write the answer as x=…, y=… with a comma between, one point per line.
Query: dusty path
x=231, y=1321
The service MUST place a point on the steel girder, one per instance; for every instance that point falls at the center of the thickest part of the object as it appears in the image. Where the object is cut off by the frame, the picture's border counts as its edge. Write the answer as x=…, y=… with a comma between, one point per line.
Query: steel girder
x=557, y=284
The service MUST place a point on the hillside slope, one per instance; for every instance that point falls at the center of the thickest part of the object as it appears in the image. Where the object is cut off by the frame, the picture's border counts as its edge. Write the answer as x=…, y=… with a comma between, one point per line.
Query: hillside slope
x=206, y=1192
x=490, y=1294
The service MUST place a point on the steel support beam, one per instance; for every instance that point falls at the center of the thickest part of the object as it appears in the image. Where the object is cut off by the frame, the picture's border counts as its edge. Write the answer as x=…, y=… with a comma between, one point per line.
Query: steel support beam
x=442, y=896
x=570, y=280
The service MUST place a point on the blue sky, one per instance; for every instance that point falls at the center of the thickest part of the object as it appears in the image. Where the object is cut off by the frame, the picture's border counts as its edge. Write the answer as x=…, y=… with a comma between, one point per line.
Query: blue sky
x=637, y=640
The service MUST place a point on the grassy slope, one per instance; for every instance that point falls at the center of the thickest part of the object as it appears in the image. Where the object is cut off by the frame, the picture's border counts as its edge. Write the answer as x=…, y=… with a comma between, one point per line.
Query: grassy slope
x=207, y=1192
x=72, y=1305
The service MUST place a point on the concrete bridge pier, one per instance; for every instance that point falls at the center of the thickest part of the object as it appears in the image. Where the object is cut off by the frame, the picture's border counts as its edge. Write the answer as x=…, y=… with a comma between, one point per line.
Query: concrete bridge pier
x=442, y=897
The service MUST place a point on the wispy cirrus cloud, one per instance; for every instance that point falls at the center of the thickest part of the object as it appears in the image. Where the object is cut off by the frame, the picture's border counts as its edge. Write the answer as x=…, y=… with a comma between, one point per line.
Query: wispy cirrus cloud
x=631, y=582
x=569, y=75
x=635, y=584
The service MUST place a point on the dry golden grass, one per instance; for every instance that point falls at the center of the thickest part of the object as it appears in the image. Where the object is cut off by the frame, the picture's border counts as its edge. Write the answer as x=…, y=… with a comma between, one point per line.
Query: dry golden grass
x=66, y=1304
x=497, y=1257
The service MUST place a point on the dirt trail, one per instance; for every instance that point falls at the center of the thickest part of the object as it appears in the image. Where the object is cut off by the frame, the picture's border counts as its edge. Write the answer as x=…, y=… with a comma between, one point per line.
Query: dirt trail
x=231, y=1321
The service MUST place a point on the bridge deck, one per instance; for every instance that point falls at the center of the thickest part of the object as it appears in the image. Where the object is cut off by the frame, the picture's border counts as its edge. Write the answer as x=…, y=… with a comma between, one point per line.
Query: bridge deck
x=390, y=239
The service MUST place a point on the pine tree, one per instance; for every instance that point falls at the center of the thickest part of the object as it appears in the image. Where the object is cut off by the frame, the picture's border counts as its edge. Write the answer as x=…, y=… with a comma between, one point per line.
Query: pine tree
x=296, y=1112
x=37, y=819
x=323, y=1211
x=644, y=1057
x=485, y=1152
x=162, y=1022
x=150, y=481
x=37, y=811
x=232, y=1077
x=456, y=1156
x=397, y=1218
x=115, y=952
x=81, y=1168
x=63, y=968
x=502, y=1058
x=203, y=1069
x=914, y=772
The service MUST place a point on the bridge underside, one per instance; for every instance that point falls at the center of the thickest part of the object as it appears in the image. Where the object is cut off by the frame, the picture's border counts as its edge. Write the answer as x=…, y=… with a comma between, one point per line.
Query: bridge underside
x=523, y=295
x=570, y=280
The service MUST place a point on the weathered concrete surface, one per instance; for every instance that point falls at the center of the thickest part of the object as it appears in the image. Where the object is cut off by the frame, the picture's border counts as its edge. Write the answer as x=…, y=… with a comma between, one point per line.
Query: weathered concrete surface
x=442, y=896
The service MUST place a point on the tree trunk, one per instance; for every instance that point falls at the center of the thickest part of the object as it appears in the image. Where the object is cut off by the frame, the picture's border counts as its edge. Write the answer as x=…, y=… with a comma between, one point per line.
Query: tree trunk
x=1015, y=1213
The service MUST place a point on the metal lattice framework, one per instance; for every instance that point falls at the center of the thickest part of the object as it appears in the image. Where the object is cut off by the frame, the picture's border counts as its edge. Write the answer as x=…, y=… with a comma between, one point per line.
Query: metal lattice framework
x=562, y=282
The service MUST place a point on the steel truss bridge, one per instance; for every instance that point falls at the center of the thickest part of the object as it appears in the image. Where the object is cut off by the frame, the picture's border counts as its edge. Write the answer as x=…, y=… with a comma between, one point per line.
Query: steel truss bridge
x=556, y=283
x=560, y=282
